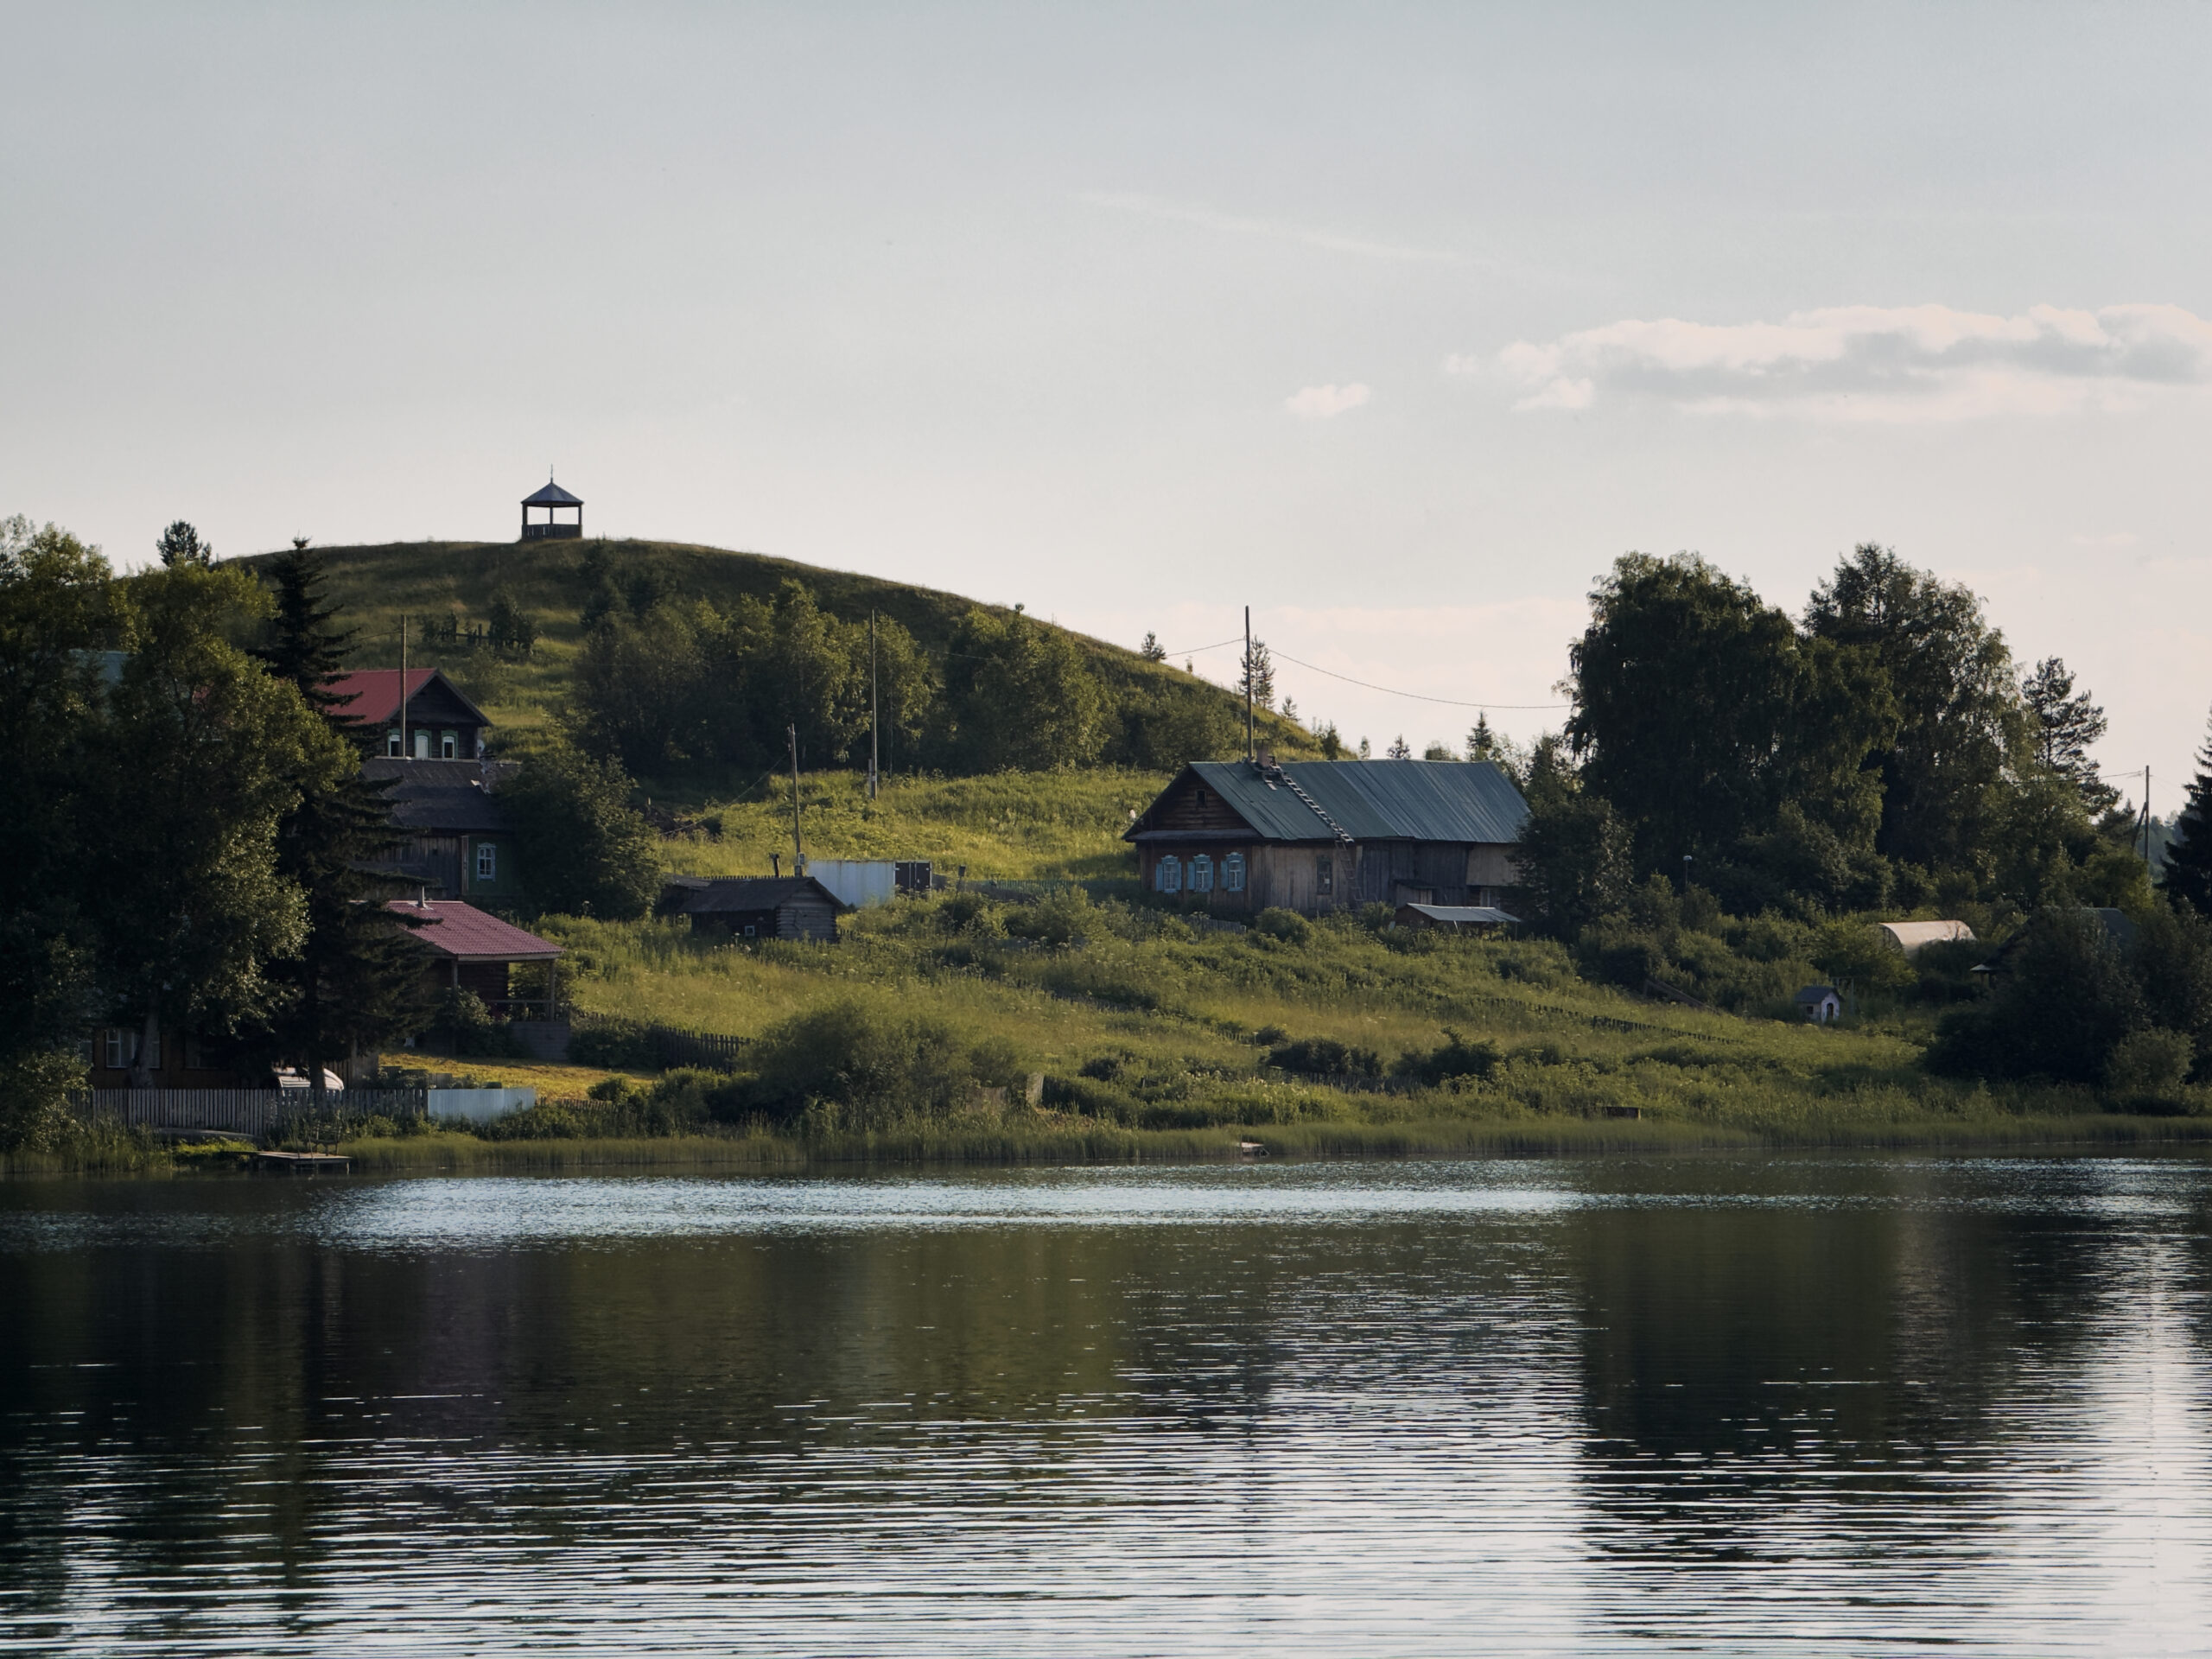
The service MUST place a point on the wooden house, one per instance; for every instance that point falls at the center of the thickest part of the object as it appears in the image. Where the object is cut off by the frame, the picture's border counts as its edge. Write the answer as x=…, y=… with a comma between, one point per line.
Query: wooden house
x=456, y=841
x=1316, y=836
x=471, y=950
x=756, y=907
x=422, y=715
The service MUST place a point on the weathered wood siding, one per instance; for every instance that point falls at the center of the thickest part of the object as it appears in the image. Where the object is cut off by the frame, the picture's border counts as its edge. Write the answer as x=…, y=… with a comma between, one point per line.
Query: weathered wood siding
x=802, y=916
x=1191, y=805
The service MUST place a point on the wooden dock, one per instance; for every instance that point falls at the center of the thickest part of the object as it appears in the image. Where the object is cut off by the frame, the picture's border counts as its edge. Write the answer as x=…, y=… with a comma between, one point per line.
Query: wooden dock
x=304, y=1163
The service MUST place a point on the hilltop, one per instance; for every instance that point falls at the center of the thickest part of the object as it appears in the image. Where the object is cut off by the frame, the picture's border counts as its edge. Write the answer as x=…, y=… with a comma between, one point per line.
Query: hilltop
x=550, y=582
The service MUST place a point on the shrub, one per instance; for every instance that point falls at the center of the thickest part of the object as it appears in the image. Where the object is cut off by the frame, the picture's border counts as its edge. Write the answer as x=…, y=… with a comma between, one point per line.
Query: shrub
x=1288, y=925
x=845, y=1066
x=613, y=1045
x=465, y=1027
x=2149, y=1064
x=1454, y=1058
x=1326, y=1057
x=2060, y=1011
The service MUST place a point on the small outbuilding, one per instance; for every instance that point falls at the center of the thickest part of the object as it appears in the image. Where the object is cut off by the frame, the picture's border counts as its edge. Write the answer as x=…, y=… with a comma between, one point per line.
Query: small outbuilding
x=1913, y=938
x=1822, y=1004
x=757, y=906
x=1455, y=919
x=472, y=950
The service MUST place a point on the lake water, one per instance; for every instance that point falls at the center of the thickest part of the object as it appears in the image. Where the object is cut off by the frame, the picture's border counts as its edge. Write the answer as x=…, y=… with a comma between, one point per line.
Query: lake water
x=1729, y=1405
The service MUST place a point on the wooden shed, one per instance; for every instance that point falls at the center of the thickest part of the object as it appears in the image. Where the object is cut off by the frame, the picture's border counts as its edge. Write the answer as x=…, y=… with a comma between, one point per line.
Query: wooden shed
x=758, y=906
x=1316, y=836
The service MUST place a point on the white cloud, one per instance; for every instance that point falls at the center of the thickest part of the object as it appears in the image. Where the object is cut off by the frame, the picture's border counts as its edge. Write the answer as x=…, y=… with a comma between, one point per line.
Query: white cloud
x=1871, y=363
x=1319, y=403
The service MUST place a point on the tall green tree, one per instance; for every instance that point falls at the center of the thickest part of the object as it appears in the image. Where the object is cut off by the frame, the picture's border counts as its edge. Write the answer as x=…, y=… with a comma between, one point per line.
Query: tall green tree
x=356, y=979
x=588, y=851
x=180, y=544
x=1020, y=696
x=1960, y=720
x=2062, y=724
x=58, y=611
x=1575, y=857
x=1698, y=711
x=2189, y=856
x=198, y=758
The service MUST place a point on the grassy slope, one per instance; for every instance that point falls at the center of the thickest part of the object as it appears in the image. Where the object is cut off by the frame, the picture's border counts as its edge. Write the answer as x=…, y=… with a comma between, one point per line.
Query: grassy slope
x=376, y=585
x=1178, y=1012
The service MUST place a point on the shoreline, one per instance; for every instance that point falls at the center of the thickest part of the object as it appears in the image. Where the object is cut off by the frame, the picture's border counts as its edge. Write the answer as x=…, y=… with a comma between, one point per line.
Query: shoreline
x=441, y=1152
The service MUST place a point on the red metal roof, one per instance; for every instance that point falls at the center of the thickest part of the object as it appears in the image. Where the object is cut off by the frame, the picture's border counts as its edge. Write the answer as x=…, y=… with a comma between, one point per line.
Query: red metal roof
x=372, y=695
x=455, y=928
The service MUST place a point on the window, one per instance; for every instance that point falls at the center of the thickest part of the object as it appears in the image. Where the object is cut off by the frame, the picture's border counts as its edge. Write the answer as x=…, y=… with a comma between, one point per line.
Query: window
x=1324, y=873
x=751, y=931
x=117, y=1047
x=1167, y=874
x=421, y=746
x=449, y=746
x=392, y=744
x=1202, y=874
x=488, y=860
x=1232, y=873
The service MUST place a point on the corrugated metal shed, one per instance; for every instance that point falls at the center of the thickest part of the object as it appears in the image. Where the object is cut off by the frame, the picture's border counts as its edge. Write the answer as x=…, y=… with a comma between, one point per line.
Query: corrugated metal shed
x=455, y=928
x=1461, y=915
x=1371, y=800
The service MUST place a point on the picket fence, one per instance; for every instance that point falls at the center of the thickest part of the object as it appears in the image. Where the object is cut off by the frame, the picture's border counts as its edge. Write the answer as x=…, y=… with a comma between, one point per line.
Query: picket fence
x=252, y=1113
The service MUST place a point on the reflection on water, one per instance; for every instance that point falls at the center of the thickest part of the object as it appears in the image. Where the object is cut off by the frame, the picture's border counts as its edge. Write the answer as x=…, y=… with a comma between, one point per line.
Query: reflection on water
x=1721, y=1404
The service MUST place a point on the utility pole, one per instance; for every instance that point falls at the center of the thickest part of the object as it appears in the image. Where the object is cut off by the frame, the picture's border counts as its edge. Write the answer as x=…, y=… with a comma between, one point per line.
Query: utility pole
x=1249, y=749
x=406, y=748
x=2147, y=815
x=798, y=847
x=874, y=710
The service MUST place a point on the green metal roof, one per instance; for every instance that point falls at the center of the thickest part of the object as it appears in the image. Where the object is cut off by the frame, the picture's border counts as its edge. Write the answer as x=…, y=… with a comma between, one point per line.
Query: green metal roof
x=1371, y=800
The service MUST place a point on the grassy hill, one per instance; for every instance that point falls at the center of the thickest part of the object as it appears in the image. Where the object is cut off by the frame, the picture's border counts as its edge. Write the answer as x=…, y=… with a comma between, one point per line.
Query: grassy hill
x=380, y=585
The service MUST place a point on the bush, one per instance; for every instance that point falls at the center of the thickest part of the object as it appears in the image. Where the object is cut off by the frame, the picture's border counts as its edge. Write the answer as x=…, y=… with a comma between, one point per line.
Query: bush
x=1454, y=1058
x=1326, y=1057
x=613, y=1046
x=2148, y=1065
x=1288, y=925
x=35, y=1114
x=846, y=1066
x=466, y=1029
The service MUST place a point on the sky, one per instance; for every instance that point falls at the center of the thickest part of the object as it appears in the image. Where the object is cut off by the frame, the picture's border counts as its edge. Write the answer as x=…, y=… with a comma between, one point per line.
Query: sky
x=1397, y=324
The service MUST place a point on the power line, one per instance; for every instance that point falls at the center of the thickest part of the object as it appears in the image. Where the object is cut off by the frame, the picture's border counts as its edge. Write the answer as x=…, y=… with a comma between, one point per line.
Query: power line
x=1194, y=650
x=1456, y=703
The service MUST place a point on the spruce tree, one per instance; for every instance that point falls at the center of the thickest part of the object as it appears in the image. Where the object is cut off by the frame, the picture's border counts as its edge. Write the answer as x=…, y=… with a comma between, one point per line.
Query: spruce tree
x=2189, y=857
x=356, y=979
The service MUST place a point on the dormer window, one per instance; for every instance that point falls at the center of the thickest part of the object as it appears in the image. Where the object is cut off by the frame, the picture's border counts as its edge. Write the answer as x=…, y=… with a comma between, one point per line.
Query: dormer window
x=392, y=745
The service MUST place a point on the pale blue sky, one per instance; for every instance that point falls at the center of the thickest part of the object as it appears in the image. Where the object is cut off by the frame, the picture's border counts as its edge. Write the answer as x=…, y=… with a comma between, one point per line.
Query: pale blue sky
x=1397, y=323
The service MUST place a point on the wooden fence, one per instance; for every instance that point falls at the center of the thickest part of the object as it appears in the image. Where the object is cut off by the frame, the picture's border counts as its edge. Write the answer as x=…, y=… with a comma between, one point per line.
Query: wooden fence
x=252, y=1112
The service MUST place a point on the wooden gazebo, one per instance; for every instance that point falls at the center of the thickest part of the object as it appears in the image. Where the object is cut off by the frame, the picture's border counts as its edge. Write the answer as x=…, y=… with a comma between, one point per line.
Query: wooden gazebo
x=553, y=500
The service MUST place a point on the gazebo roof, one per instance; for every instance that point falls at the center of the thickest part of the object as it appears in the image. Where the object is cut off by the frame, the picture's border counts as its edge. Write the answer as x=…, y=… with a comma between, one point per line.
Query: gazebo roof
x=552, y=496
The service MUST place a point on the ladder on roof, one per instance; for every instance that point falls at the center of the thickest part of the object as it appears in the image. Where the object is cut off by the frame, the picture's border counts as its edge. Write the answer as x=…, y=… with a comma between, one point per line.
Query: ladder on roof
x=1276, y=774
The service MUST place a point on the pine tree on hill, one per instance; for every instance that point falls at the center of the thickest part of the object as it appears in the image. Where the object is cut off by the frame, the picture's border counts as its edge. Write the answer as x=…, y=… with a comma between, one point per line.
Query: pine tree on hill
x=356, y=979
x=303, y=646
x=2189, y=857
